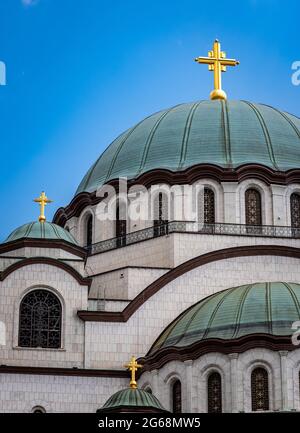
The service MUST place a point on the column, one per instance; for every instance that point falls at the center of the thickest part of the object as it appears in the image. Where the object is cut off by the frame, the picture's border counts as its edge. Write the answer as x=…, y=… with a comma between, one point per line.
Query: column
x=283, y=370
x=233, y=381
x=231, y=213
x=279, y=205
x=188, y=400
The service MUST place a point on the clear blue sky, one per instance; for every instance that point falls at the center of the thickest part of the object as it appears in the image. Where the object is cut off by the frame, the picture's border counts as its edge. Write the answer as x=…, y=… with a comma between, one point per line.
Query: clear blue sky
x=81, y=72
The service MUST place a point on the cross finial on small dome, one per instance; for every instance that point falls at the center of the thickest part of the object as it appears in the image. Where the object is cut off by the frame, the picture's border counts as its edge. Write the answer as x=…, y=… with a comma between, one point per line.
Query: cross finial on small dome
x=217, y=63
x=42, y=200
x=133, y=366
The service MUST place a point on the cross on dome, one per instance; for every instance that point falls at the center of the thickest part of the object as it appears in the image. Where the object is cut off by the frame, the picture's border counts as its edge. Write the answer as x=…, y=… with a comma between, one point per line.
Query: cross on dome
x=133, y=366
x=43, y=201
x=217, y=62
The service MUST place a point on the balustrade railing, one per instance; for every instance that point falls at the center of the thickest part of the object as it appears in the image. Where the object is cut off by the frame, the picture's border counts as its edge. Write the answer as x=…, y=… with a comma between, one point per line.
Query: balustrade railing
x=193, y=227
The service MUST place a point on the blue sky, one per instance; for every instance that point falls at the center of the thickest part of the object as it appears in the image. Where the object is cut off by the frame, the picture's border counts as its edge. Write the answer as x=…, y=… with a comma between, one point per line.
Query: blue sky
x=81, y=72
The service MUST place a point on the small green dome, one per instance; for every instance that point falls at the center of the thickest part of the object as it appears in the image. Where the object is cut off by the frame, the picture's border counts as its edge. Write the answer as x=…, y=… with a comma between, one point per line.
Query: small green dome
x=227, y=134
x=268, y=308
x=39, y=230
x=132, y=399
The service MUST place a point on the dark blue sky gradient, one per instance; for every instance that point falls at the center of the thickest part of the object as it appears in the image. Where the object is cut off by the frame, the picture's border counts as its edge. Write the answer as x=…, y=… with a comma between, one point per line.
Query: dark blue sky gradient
x=81, y=72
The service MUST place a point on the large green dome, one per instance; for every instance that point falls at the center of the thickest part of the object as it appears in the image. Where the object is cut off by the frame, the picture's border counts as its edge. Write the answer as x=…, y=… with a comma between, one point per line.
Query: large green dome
x=41, y=230
x=227, y=134
x=267, y=308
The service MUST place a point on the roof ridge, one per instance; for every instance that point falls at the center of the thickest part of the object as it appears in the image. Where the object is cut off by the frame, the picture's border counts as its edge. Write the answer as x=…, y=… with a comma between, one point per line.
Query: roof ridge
x=225, y=123
x=265, y=131
x=216, y=310
x=286, y=118
x=293, y=296
x=186, y=134
x=240, y=309
x=151, y=135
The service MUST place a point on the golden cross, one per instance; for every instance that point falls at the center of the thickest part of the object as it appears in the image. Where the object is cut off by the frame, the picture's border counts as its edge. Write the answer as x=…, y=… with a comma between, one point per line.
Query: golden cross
x=42, y=200
x=217, y=63
x=133, y=366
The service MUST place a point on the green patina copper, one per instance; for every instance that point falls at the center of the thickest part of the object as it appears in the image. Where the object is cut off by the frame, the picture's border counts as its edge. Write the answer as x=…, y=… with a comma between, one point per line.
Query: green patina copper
x=227, y=134
x=269, y=308
x=41, y=230
x=135, y=398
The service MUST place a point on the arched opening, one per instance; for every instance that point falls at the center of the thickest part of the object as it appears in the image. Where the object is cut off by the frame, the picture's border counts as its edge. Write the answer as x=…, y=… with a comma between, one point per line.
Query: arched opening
x=253, y=207
x=176, y=397
x=121, y=224
x=89, y=231
x=214, y=393
x=260, y=389
x=40, y=320
x=161, y=215
x=206, y=209
x=209, y=206
x=295, y=210
x=38, y=409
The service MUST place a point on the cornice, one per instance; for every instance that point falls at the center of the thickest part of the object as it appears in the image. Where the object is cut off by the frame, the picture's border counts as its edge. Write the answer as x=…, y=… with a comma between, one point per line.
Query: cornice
x=84, y=281
x=43, y=243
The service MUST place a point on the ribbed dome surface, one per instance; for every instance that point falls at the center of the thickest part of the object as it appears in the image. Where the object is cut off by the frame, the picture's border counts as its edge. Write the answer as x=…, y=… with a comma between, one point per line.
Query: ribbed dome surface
x=268, y=308
x=37, y=230
x=135, y=398
x=227, y=134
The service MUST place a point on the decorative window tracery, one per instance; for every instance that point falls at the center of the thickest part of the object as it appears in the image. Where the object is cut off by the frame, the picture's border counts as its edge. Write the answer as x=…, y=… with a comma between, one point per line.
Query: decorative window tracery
x=89, y=231
x=176, y=391
x=160, y=215
x=214, y=393
x=260, y=389
x=295, y=210
x=209, y=206
x=40, y=320
x=253, y=207
x=121, y=226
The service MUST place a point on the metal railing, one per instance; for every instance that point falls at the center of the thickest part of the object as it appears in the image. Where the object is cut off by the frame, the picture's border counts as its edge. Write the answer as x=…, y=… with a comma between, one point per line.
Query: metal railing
x=193, y=227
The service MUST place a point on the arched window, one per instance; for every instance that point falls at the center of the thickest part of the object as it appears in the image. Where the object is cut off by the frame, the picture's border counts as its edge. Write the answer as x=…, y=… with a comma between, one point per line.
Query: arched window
x=89, y=231
x=209, y=206
x=40, y=320
x=121, y=224
x=253, y=207
x=295, y=210
x=260, y=389
x=38, y=409
x=206, y=206
x=148, y=389
x=214, y=393
x=160, y=215
x=176, y=397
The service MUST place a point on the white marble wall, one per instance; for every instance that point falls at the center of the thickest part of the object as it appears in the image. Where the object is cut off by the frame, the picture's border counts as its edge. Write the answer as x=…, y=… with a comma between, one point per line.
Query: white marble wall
x=120, y=340
x=73, y=297
x=22, y=392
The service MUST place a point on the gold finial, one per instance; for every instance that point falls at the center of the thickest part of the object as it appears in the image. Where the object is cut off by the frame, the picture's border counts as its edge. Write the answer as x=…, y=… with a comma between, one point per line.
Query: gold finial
x=133, y=367
x=42, y=200
x=217, y=63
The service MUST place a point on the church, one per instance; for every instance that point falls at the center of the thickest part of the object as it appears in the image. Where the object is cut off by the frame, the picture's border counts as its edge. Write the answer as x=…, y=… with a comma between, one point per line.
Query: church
x=170, y=311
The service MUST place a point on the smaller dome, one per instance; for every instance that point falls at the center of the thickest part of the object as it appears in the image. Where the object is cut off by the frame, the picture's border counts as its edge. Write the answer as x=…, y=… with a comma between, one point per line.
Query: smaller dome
x=41, y=230
x=131, y=400
x=264, y=308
